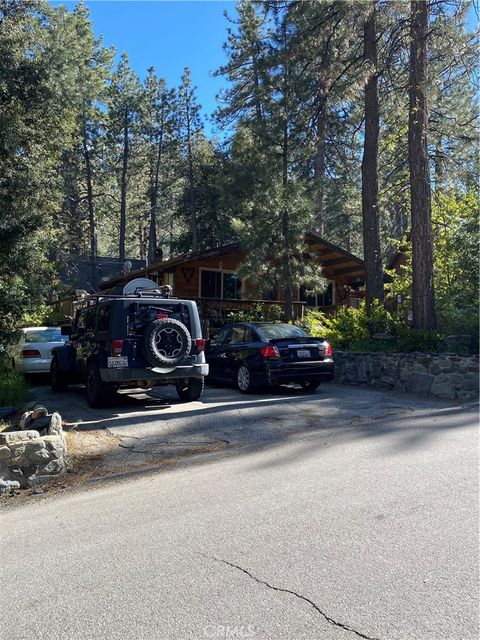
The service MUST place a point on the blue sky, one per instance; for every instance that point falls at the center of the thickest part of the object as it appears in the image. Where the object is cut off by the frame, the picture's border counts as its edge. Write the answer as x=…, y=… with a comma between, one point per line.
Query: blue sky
x=167, y=35
x=170, y=34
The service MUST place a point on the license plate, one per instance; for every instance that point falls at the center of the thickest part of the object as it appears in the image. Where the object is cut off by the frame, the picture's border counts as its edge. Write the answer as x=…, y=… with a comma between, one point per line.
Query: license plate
x=303, y=353
x=118, y=362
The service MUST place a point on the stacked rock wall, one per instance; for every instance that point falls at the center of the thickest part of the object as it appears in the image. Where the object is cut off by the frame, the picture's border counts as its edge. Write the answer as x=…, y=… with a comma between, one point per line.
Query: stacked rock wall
x=446, y=376
x=28, y=459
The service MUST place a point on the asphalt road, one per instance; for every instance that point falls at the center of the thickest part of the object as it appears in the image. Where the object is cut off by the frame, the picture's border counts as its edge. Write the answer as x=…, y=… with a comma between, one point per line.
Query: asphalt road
x=349, y=513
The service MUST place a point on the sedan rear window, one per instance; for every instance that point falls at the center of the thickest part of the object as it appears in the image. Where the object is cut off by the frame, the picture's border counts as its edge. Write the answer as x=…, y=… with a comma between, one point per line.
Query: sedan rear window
x=49, y=335
x=272, y=331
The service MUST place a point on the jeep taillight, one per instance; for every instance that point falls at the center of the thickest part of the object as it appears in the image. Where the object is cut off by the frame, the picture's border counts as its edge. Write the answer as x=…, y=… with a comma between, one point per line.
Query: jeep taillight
x=328, y=349
x=200, y=344
x=117, y=347
x=161, y=316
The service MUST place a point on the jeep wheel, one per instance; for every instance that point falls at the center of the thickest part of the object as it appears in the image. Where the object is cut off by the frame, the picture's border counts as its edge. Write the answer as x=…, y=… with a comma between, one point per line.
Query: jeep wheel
x=99, y=393
x=166, y=342
x=190, y=389
x=57, y=379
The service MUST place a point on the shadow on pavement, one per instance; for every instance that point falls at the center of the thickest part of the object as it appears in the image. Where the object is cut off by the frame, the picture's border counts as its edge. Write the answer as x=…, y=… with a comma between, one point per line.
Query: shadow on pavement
x=156, y=431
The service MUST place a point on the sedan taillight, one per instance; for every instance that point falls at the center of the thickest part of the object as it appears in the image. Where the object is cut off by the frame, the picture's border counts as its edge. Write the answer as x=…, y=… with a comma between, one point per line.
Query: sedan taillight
x=328, y=349
x=30, y=353
x=270, y=352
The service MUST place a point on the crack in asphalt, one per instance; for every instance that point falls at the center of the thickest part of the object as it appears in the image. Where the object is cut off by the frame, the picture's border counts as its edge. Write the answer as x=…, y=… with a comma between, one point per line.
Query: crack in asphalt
x=330, y=620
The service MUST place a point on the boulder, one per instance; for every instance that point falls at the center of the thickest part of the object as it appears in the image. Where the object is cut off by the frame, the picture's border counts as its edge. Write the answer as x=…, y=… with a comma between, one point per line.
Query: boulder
x=11, y=437
x=419, y=383
x=39, y=412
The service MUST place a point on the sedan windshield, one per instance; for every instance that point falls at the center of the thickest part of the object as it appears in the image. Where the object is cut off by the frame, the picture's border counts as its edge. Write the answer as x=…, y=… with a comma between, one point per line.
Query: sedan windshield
x=48, y=335
x=272, y=331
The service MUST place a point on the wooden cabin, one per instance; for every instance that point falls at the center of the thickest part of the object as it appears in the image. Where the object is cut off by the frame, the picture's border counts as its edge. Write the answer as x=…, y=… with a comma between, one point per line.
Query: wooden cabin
x=209, y=277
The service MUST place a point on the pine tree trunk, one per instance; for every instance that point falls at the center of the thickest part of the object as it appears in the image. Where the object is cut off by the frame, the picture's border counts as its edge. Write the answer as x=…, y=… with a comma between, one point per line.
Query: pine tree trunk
x=152, y=231
x=191, y=184
x=286, y=260
x=287, y=271
x=423, y=297
x=91, y=214
x=319, y=170
x=371, y=225
x=123, y=190
x=258, y=105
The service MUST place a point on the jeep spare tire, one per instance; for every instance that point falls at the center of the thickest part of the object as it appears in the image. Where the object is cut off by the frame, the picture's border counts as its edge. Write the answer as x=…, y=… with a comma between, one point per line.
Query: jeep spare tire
x=166, y=342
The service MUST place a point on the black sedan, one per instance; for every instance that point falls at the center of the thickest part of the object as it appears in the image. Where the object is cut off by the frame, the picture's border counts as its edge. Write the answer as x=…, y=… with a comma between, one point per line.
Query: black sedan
x=251, y=354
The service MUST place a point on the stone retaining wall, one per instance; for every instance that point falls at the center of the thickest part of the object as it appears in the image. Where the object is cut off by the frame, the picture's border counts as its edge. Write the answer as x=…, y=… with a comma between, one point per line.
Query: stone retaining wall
x=444, y=376
x=28, y=458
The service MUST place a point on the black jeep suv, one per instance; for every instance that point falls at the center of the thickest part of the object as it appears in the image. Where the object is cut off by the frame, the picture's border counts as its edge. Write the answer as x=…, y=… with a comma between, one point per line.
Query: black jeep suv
x=139, y=338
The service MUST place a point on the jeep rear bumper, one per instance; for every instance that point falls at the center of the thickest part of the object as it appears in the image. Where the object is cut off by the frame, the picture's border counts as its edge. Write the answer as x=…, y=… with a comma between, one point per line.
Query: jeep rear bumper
x=123, y=376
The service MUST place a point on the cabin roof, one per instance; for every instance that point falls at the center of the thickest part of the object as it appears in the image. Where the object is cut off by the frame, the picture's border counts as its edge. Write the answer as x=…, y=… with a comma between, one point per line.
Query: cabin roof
x=337, y=261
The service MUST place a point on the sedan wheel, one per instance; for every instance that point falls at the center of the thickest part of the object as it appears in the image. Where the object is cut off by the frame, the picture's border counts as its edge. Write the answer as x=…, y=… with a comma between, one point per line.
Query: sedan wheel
x=309, y=386
x=244, y=379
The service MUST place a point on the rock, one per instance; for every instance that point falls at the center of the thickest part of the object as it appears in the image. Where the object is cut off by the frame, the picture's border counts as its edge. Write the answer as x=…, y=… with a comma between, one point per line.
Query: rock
x=17, y=450
x=10, y=437
x=456, y=380
x=37, y=490
x=25, y=420
x=398, y=385
x=41, y=424
x=466, y=395
x=470, y=382
x=387, y=381
x=39, y=412
x=419, y=383
x=53, y=467
x=55, y=424
x=8, y=485
x=362, y=372
x=55, y=444
x=39, y=457
x=38, y=479
x=435, y=368
x=442, y=390
x=419, y=368
x=5, y=454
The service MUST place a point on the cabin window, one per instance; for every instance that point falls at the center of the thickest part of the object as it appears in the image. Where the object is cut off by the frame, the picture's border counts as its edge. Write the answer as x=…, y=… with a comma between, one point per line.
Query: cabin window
x=220, y=284
x=211, y=284
x=324, y=299
x=231, y=286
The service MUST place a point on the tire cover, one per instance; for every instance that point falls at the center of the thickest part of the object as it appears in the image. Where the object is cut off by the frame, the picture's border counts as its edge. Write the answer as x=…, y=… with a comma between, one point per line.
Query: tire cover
x=166, y=342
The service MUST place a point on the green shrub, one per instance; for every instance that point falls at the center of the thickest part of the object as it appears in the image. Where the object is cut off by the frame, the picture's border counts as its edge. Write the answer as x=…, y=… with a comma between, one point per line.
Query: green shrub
x=409, y=339
x=353, y=330
x=258, y=313
x=13, y=387
x=349, y=328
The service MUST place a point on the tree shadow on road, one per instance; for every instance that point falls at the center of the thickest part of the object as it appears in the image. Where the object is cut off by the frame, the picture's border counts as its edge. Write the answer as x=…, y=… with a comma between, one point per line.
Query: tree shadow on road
x=156, y=431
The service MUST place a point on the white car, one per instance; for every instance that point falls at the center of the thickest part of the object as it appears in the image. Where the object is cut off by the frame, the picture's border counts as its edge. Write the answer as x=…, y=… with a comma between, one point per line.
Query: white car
x=32, y=353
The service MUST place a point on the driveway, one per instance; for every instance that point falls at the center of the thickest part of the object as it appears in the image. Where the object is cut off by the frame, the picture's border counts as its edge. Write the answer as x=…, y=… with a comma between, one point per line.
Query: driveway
x=145, y=431
x=346, y=514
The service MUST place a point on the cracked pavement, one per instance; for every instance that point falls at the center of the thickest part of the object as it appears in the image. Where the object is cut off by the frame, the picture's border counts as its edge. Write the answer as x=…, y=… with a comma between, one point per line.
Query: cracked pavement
x=343, y=514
